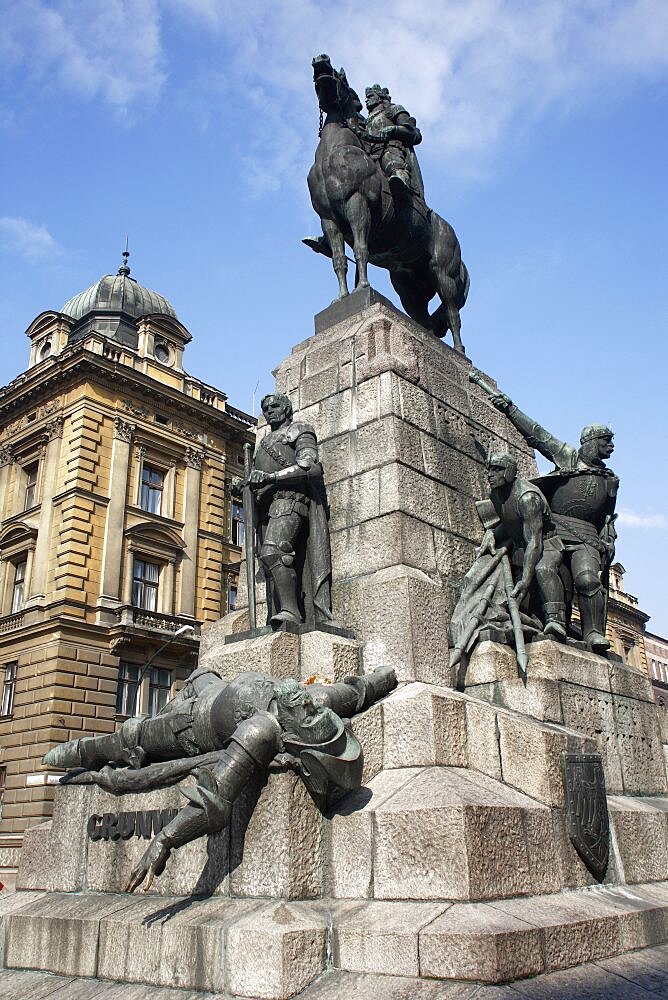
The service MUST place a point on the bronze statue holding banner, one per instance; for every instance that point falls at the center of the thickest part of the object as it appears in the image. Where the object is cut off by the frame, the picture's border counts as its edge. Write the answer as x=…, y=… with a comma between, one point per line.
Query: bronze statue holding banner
x=565, y=556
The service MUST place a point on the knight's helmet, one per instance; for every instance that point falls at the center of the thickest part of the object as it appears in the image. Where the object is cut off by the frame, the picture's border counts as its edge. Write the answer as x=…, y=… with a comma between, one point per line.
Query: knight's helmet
x=376, y=88
x=332, y=769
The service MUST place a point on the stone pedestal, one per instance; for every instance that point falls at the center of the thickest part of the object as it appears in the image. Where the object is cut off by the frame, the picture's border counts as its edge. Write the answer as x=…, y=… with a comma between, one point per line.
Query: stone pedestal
x=397, y=422
x=453, y=861
x=325, y=654
x=608, y=702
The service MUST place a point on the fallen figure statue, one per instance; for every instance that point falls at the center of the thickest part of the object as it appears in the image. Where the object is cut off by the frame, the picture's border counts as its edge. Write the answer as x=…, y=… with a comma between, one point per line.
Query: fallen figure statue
x=224, y=734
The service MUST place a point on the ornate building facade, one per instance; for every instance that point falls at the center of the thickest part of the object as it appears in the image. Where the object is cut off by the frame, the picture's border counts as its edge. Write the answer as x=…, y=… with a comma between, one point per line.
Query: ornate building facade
x=626, y=621
x=656, y=647
x=118, y=538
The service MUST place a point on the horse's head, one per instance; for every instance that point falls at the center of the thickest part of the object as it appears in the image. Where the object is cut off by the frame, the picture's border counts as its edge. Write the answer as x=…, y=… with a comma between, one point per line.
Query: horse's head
x=332, y=88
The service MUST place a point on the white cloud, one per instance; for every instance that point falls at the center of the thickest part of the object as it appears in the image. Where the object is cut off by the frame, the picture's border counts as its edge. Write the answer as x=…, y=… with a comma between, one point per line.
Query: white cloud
x=101, y=48
x=632, y=520
x=475, y=73
x=32, y=242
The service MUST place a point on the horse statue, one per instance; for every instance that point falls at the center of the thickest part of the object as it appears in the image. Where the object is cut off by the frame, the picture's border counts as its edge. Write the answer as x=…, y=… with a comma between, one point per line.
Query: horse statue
x=352, y=196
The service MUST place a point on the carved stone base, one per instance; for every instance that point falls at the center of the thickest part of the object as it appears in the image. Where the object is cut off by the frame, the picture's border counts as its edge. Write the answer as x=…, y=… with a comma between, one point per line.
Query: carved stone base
x=605, y=700
x=397, y=423
x=453, y=862
x=298, y=652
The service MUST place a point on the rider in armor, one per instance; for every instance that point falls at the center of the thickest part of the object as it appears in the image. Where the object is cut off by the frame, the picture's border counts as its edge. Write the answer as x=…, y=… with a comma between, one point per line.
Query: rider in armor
x=225, y=734
x=392, y=123
x=582, y=493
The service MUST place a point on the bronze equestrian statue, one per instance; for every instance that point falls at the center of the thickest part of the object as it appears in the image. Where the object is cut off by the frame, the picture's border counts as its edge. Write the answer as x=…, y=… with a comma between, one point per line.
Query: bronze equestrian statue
x=383, y=218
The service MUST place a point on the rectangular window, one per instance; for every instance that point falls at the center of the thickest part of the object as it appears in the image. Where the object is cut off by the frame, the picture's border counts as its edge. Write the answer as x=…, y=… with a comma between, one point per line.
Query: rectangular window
x=159, y=687
x=8, y=689
x=233, y=597
x=152, y=484
x=3, y=785
x=237, y=523
x=145, y=578
x=31, y=485
x=127, y=699
x=18, y=591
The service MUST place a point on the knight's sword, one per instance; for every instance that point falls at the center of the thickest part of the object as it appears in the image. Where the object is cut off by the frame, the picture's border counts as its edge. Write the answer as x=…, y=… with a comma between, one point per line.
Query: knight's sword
x=249, y=532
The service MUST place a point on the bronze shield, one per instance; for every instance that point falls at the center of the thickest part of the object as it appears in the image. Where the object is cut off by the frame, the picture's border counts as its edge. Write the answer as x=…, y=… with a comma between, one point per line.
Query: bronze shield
x=587, y=809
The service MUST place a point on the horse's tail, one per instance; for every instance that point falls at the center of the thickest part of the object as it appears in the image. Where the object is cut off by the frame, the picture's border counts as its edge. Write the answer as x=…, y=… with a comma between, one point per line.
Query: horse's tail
x=463, y=285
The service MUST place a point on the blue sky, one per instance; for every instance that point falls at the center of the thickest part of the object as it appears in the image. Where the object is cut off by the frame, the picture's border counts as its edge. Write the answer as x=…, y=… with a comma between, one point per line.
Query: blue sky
x=191, y=125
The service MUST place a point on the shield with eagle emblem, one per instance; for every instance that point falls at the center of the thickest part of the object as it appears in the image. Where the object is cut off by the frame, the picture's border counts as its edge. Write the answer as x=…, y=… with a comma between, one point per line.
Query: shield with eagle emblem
x=587, y=809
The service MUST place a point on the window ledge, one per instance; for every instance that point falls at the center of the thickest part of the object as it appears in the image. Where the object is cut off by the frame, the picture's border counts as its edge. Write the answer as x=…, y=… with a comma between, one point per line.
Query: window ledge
x=158, y=518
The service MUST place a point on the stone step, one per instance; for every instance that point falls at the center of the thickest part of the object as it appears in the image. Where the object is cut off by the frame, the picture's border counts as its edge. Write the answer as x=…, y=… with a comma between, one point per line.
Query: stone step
x=637, y=976
x=441, y=833
x=501, y=941
x=247, y=948
x=274, y=950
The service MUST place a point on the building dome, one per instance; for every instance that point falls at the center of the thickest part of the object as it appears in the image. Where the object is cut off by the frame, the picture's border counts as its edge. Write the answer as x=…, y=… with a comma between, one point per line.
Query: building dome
x=118, y=293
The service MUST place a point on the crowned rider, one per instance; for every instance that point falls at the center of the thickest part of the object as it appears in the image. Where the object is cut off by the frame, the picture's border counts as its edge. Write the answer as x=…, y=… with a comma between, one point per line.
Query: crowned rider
x=225, y=735
x=392, y=123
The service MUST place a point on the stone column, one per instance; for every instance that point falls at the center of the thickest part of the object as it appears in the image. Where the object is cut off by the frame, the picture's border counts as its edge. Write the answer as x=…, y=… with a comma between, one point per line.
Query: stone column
x=36, y=582
x=194, y=458
x=112, y=552
x=166, y=588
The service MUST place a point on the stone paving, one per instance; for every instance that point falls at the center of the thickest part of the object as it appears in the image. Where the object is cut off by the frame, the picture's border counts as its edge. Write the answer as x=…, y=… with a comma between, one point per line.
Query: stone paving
x=641, y=975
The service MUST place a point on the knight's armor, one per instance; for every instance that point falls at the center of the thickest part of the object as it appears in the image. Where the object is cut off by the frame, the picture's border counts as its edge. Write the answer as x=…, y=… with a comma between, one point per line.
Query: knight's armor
x=393, y=153
x=225, y=733
x=512, y=519
x=582, y=499
x=282, y=509
x=292, y=445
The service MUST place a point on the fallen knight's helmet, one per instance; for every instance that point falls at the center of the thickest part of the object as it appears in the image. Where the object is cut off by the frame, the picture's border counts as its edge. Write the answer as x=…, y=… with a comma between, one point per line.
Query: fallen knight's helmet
x=330, y=763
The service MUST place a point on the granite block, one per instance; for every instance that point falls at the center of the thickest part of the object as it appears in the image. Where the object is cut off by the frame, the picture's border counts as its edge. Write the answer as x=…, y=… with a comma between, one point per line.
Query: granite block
x=275, y=951
x=476, y=941
x=382, y=937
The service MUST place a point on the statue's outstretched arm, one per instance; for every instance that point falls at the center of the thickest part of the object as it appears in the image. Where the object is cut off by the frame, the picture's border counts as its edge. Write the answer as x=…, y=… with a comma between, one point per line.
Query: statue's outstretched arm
x=255, y=743
x=562, y=454
x=356, y=693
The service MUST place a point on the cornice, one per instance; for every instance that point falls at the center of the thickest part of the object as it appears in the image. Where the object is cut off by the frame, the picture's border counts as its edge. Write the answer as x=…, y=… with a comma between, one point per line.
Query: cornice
x=25, y=390
x=627, y=609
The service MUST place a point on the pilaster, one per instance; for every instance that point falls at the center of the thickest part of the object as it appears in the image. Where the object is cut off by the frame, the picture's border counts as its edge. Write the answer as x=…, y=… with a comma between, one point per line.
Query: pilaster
x=37, y=572
x=112, y=552
x=194, y=459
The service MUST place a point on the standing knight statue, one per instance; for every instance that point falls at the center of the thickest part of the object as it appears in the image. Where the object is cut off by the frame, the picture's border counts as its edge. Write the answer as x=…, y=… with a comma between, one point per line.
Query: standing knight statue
x=290, y=518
